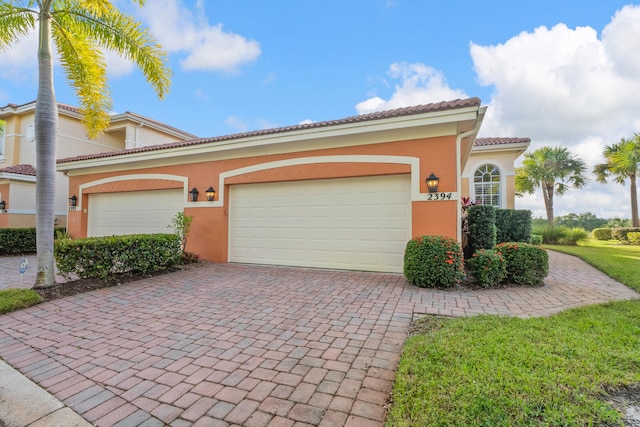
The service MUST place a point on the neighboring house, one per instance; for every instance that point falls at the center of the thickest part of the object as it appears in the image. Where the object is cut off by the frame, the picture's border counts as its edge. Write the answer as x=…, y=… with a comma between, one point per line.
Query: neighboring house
x=344, y=194
x=18, y=154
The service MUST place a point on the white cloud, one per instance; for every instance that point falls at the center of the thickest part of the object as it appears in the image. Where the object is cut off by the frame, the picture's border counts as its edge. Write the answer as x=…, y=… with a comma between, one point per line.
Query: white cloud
x=567, y=87
x=204, y=46
x=237, y=124
x=306, y=122
x=419, y=84
x=21, y=61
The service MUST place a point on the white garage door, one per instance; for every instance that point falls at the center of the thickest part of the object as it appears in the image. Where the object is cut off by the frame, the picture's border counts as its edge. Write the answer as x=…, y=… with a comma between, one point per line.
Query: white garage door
x=133, y=212
x=350, y=223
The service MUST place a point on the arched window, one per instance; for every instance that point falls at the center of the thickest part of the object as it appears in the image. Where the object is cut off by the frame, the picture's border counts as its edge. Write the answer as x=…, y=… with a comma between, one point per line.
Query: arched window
x=487, y=185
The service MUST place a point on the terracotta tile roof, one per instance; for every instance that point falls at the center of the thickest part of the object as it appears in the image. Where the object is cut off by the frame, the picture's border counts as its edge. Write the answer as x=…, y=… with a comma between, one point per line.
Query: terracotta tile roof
x=20, y=170
x=379, y=115
x=480, y=142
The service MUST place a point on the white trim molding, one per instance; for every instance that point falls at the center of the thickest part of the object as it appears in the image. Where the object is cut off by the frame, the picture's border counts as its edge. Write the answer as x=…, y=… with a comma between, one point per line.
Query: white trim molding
x=131, y=177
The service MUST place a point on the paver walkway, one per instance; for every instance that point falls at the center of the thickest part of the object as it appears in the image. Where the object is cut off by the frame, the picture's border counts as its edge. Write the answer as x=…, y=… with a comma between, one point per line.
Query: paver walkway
x=253, y=346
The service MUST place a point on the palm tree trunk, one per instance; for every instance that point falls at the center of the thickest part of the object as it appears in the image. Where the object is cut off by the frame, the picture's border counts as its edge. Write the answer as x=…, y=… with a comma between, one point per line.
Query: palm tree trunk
x=547, y=194
x=634, y=202
x=46, y=124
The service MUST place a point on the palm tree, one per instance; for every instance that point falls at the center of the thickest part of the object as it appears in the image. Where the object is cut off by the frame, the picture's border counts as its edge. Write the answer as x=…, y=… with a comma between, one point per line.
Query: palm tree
x=554, y=170
x=80, y=29
x=622, y=161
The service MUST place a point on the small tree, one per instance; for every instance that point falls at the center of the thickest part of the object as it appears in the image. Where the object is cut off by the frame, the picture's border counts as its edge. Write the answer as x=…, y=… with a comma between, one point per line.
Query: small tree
x=181, y=225
x=622, y=162
x=554, y=170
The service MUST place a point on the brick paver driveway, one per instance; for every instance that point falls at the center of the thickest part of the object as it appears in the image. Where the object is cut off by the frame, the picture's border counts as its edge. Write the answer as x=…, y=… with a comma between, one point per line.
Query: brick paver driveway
x=253, y=346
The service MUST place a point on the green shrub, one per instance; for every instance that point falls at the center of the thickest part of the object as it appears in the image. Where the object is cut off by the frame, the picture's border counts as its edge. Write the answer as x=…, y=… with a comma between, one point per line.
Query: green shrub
x=526, y=264
x=621, y=233
x=488, y=267
x=433, y=261
x=513, y=225
x=602, y=234
x=103, y=257
x=535, y=239
x=634, y=237
x=482, y=228
x=571, y=236
x=20, y=241
x=551, y=235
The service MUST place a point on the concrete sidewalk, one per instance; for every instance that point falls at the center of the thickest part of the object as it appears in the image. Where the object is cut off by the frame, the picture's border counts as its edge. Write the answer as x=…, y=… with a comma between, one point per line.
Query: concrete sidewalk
x=23, y=403
x=229, y=344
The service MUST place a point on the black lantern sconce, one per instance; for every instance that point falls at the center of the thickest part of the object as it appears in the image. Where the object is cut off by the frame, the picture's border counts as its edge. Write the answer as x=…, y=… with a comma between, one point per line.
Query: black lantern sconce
x=211, y=194
x=73, y=201
x=432, y=183
x=3, y=205
x=193, y=194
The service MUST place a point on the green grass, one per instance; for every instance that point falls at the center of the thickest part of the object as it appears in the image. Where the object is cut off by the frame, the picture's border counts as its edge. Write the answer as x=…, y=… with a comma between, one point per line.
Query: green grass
x=622, y=262
x=15, y=299
x=502, y=371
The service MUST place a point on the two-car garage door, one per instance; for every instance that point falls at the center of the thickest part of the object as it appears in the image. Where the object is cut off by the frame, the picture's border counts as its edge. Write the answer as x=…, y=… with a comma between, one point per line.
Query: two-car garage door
x=348, y=223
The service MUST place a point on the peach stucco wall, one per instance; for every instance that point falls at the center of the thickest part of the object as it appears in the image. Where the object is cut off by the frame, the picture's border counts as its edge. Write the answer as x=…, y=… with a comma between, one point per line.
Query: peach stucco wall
x=209, y=232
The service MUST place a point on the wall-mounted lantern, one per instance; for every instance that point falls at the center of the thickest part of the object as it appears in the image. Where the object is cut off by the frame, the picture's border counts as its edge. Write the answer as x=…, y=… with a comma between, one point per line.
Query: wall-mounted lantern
x=193, y=194
x=3, y=205
x=211, y=194
x=432, y=183
x=73, y=201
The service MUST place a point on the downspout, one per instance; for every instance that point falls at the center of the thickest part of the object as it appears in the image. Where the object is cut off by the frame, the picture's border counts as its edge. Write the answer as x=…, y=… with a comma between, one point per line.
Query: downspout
x=459, y=138
x=137, y=136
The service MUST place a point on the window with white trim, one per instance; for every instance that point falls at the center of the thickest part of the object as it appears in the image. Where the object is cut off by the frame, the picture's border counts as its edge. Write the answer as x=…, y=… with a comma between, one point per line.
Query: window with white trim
x=487, y=183
x=2, y=134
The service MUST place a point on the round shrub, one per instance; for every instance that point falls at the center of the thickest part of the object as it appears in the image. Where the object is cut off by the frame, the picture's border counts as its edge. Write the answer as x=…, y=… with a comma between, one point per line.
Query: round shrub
x=433, y=261
x=602, y=234
x=526, y=264
x=488, y=267
x=536, y=239
x=634, y=237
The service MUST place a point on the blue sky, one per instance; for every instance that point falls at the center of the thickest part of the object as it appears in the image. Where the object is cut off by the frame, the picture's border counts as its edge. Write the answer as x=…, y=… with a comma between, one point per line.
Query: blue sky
x=562, y=73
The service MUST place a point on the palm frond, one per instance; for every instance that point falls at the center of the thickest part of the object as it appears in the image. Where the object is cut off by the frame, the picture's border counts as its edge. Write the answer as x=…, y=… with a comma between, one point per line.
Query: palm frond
x=121, y=33
x=85, y=68
x=15, y=23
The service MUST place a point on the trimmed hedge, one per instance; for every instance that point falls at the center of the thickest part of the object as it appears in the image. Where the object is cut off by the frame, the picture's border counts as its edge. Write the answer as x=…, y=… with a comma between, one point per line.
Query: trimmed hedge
x=482, y=228
x=634, y=237
x=488, y=267
x=602, y=233
x=433, y=261
x=20, y=241
x=535, y=239
x=621, y=233
x=102, y=257
x=513, y=225
x=526, y=264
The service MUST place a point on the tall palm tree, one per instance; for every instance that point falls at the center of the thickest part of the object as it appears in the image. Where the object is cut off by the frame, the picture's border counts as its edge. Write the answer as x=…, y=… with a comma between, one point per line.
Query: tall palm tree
x=80, y=29
x=622, y=161
x=554, y=170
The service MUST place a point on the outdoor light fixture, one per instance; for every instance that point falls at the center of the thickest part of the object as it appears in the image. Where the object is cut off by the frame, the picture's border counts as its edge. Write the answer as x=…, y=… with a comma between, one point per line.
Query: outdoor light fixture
x=211, y=194
x=3, y=205
x=432, y=183
x=73, y=201
x=193, y=194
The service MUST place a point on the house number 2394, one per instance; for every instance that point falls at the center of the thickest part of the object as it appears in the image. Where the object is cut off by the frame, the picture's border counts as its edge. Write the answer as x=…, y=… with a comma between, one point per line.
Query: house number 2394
x=439, y=196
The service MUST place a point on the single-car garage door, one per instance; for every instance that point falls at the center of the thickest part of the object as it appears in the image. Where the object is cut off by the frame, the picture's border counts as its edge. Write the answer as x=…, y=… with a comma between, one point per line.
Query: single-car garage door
x=346, y=223
x=133, y=212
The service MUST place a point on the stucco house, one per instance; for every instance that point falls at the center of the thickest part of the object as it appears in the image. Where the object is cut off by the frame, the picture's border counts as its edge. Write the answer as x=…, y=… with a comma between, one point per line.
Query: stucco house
x=345, y=194
x=18, y=154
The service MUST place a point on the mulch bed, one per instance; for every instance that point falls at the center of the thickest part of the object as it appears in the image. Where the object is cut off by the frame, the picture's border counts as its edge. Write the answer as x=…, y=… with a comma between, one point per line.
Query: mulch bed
x=78, y=286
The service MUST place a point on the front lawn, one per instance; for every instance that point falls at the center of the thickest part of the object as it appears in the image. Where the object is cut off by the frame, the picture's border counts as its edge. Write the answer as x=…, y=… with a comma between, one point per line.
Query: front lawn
x=15, y=299
x=500, y=371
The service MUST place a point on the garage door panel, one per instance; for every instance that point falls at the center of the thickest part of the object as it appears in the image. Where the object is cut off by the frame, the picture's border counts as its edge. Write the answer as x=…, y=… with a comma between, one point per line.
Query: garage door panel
x=135, y=212
x=353, y=223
